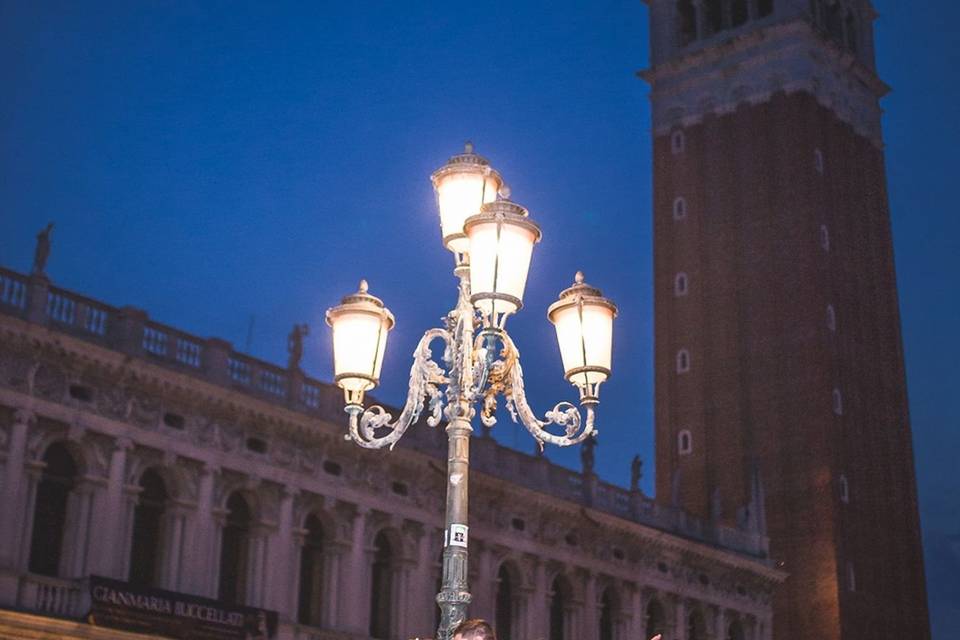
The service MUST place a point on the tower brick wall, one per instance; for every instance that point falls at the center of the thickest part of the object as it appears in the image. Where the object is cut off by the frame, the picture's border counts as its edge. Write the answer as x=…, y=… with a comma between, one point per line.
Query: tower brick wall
x=789, y=318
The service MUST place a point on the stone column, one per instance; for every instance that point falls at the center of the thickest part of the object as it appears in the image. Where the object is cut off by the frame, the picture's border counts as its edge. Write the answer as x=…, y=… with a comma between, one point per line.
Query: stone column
x=14, y=490
x=330, y=607
x=33, y=471
x=177, y=534
x=257, y=573
x=538, y=625
x=201, y=557
x=720, y=624
x=678, y=628
x=284, y=560
x=355, y=577
x=76, y=559
x=113, y=517
x=591, y=609
x=16, y=499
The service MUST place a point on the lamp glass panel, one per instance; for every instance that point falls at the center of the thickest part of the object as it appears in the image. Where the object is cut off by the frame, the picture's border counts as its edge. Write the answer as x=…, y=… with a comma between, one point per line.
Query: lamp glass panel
x=460, y=195
x=597, y=338
x=499, y=262
x=359, y=341
x=585, y=340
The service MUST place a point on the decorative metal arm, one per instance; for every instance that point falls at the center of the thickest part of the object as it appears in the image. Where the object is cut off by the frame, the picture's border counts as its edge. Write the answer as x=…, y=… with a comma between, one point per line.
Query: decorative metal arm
x=506, y=377
x=425, y=378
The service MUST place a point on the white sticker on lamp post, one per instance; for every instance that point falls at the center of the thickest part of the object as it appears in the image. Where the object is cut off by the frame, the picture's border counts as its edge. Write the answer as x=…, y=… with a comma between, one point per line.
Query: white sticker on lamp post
x=458, y=535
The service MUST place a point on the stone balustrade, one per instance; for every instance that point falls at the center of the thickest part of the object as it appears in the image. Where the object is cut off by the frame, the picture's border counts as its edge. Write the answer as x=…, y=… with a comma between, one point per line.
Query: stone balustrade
x=130, y=331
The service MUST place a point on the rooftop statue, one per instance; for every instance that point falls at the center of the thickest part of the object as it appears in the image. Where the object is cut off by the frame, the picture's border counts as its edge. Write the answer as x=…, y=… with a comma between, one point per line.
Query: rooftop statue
x=42, y=252
x=295, y=345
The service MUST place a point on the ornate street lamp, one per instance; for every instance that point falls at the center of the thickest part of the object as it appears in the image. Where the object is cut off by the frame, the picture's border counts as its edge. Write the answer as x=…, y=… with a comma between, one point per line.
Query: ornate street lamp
x=492, y=239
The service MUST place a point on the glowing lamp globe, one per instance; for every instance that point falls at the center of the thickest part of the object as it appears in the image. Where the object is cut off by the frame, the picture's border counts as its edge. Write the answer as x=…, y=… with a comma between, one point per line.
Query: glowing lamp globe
x=463, y=185
x=360, y=324
x=583, y=319
x=501, y=240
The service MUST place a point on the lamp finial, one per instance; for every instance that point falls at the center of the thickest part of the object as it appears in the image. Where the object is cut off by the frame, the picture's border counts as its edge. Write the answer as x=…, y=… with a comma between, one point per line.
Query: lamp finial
x=578, y=278
x=363, y=286
x=468, y=147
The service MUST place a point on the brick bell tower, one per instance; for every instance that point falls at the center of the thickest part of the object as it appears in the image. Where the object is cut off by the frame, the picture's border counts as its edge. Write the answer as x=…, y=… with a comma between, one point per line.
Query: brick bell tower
x=779, y=363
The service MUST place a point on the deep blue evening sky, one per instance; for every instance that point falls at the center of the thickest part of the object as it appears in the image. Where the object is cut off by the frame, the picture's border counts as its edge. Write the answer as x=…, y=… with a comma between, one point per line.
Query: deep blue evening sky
x=216, y=162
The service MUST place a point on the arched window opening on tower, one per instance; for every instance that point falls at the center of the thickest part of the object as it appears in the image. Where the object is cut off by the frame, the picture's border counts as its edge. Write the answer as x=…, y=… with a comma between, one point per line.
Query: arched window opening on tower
x=834, y=21
x=850, y=31
x=824, y=238
x=679, y=208
x=382, y=587
x=735, y=631
x=687, y=17
x=844, y=489
x=678, y=142
x=683, y=361
x=146, y=546
x=504, y=614
x=311, y=573
x=235, y=550
x=851, y=577
x=738, y=13
x=837, y=402
x=764, y=8
x=818, y=161
x=560, y=601
x=685, y=442
x=714, y=15
x=655, y=619
x=607, y=615
x=831, y=318
x=53, y=498
x=680, y=284
x=696, y=626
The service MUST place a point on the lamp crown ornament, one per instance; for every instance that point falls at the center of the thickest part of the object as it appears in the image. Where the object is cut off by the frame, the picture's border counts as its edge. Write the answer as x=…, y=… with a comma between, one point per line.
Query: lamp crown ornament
x=492, y=239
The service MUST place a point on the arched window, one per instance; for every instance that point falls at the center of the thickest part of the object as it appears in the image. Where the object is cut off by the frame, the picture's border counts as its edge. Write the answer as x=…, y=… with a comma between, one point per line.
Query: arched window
x=837, y=402
x=735, y=631
x=683, y=361
x=559, y=602
x=234, y=550
x=831, y=318
x=607, y=613
x=685, y=442
x=851, y=577
x=145, y=548
x=687, y=17
x=679, y=209
x=696, y=627
x=844, y=489
x=311, y=573
x=714, y=9
x=824, y=237
x=381, y=587
x=738, y=12
x=834, y=22
x=764, y=8
x=655, y=619
x=680, y=284
x=50, y=510
x=678, y=142
x=504, y=614
x=850, y=31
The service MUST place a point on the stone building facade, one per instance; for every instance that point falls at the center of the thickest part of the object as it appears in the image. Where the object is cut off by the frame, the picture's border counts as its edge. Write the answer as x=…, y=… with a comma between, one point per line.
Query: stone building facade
x=778, y=347
x=135, y=451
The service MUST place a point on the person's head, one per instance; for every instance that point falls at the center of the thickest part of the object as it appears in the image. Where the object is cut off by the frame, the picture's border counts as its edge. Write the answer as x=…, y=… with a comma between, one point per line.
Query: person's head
x=474, y=630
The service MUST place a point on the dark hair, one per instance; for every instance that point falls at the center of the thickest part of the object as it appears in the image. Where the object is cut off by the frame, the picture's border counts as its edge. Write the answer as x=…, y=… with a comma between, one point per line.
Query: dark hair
x=475, y=630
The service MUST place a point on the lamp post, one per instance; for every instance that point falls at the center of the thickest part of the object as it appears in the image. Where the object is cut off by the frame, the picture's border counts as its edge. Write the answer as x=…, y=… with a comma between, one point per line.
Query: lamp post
x=492, y=240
